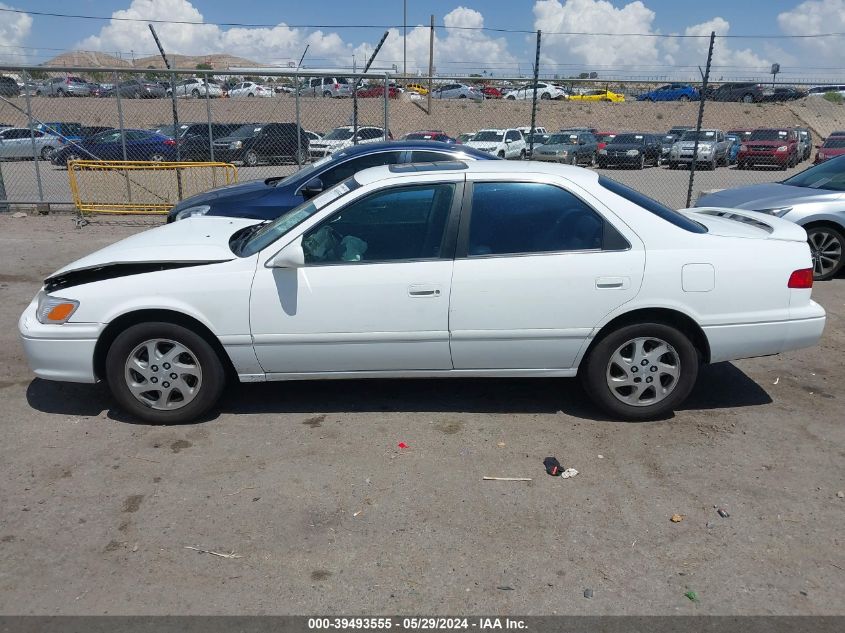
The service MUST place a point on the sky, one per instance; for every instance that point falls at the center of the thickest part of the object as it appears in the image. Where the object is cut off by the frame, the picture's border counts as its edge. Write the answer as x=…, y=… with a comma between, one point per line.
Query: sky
x=667, y=47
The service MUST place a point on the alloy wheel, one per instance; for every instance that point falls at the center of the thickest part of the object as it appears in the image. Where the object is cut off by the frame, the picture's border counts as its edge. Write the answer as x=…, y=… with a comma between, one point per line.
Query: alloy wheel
x=163, y=374
x=826, y=250
x=643, y=371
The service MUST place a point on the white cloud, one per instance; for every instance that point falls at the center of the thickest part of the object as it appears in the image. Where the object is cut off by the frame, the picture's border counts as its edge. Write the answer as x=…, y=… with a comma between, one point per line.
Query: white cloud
x=817, y=16
x=14, y=29
x=732, y=61
x=596, y=16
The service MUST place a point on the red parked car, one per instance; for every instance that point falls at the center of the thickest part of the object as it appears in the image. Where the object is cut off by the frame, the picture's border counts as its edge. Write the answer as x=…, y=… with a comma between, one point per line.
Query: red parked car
x=377, y=91
x=428, y=135
x=604, y=138
x=491, y=92
x=769, y=146
x=833, y=146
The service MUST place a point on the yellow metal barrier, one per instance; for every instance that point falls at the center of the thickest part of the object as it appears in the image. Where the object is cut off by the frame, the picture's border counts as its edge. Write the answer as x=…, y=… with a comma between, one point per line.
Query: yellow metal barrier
x=141, y=187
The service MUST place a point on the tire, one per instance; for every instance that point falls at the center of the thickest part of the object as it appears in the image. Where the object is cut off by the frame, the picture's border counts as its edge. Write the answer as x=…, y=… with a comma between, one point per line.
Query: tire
x=592, y=162
x=545, y=96
x=683, y=98
x=511, y=98
x=61, y=93
x=627, y=354
x=826, y=246
x=673, y=165
x=602, y=164
x=47, y=152
x=713, y=164
x=501, y=154
x=327, y=93
x=38, y=93
x=157, y=157
x=641, y=164
x=522, y=155
x=250, y=95
x=462, y=96
x=658, y=161
x=251, y=158
x=200, y=374
x=747, y=98
x=195, y=93
x=71, y=157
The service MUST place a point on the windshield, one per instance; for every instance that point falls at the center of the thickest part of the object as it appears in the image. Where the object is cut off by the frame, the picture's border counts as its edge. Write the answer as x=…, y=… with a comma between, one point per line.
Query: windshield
x=829, y=176
x=635, y=139
x=167, y=130
x=834, y=143
x=652, y=205
x=488, y=135
x=338, y=134
x=563, y=139
x=110, y=136
x=704, y=135
x=538, y=139
x=768, y=135
x=271, y=231
x=245, y=131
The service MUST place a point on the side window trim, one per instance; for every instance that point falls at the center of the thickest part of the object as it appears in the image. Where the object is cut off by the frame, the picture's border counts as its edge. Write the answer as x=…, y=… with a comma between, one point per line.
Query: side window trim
x=447, y=243
x=462, y=244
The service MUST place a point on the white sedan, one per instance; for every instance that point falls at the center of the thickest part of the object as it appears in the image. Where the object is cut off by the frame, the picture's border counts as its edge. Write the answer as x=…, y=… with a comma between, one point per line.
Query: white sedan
x=544, y=91
x=250, y=89
x=483, y=268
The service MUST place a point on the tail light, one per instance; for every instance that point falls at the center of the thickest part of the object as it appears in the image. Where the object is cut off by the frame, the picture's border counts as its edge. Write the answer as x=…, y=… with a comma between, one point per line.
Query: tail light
x=336, y=87
x=802, y=278
x=170, y=142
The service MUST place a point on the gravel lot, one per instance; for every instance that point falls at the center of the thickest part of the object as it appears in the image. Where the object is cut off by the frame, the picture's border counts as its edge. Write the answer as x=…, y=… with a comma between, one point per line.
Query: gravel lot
x=306, y=485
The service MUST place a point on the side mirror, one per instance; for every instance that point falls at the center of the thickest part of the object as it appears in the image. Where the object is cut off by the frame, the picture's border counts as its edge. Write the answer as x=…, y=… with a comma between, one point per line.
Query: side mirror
x=291, y=256
x=312, y=188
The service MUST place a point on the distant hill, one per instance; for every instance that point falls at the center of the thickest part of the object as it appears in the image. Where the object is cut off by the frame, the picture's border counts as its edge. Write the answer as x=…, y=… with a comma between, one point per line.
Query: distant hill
x=88, y=58
x=218, y=61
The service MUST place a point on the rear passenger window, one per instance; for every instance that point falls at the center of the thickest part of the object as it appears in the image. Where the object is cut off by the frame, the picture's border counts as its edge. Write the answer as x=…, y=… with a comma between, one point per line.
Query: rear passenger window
x=517, y=218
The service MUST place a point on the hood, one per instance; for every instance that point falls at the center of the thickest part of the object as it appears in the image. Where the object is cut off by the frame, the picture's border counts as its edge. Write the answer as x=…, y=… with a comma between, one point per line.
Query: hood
x=769, y=195
x=249, y=190
x=623, y=147
x=691, y=144
x=194, y=240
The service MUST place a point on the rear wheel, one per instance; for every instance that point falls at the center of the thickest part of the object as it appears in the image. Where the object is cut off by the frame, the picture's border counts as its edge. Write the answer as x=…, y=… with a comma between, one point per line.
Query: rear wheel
x=61, y=93
x=195, y=93
x=250, y=95
x=640, y=371
x=522, y=155
x=545, y=95
x=511, y=97
x=157, y=157
x=683, y=98
x=47, y=152
x=826, y=244
x=327, y=93
x=748, y=98
x=164, y=373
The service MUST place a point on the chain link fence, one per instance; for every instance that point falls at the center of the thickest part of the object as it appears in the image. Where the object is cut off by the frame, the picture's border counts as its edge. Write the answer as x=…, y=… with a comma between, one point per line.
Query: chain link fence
x=269, y=123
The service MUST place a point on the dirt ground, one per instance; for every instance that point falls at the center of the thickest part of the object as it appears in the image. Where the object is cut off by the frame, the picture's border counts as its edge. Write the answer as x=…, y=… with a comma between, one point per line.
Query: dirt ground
x=304, y=485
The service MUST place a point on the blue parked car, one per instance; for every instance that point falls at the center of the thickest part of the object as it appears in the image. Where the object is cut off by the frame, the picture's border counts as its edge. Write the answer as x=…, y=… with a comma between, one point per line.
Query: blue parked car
x=65, y=131
x=733, y=149
x=270, y=198
x=671, y=92
x=140, y=145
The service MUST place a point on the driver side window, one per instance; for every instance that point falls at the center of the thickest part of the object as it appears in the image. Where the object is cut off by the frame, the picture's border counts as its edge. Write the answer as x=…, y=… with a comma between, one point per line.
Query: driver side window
x=403, y=223
x=332, y=176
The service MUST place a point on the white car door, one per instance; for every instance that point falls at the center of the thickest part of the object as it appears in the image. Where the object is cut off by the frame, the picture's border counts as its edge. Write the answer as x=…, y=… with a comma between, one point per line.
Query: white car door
x=373, y=294
x=538, y=265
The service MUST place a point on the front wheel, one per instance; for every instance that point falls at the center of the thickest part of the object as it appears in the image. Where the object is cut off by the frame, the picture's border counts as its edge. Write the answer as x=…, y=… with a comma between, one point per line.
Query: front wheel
x=640, y=371
x=157, y=157
x=47, y=152
x=251, y=158
x=164, y=373
x=826, y=245
x=511, y=98
x=545, y=95
x=748, y=98
x=683, y=98
x=327, y=93
x=641, y=164
x=522, y=155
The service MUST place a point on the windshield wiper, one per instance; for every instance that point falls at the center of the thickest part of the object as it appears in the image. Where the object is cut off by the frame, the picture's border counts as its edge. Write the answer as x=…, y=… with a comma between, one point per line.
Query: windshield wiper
x=239, y=242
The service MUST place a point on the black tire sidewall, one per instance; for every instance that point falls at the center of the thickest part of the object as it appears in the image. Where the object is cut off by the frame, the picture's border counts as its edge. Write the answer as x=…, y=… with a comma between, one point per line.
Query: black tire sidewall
x=213, y=374
x=592, y=373
x=841, y=237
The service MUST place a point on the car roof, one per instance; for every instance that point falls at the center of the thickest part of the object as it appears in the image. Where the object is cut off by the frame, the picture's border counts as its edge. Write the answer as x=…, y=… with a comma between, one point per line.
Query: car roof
x=404, y=146
x=578, y=175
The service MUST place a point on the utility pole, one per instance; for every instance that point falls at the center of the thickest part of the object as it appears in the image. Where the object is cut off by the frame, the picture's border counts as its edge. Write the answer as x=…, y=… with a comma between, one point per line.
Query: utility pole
x=534, y=97
x=430, y=61
x=355, y=88
x=405, y=37
x=173, y=105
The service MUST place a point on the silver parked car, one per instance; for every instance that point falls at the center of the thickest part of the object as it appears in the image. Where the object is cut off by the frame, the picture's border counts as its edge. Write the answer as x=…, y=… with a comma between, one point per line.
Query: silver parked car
x=814, y=198
x=327, y=87
x=196, y=88
x=712, y=149
x=457, y=91
x=16, y=142
x=64, y=87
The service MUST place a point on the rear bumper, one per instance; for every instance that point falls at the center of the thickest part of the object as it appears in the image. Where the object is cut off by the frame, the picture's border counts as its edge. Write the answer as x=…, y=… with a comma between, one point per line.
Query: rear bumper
x=747, y=340
x=59, y=352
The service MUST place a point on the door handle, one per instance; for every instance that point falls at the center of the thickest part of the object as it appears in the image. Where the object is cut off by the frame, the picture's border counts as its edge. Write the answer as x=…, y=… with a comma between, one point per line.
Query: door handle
x=610, y=283
x=423, y=290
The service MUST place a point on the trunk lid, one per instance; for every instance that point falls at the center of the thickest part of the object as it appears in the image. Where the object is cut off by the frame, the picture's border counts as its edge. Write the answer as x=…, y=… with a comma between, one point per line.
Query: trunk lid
x=746, y=224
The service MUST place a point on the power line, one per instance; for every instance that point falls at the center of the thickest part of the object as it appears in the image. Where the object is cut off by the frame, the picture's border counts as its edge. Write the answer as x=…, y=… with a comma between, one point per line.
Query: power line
x=397, y=26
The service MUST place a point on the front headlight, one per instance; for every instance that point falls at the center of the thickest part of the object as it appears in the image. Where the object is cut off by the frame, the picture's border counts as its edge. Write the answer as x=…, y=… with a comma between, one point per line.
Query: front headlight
x=55, y=310
x=633, y=152
x=236, y=144
x=706, y=149
x=603, y=152
x=743, y=148
x=777, y=211
x=782, y=148
x=190, y=212
x=562, y=152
